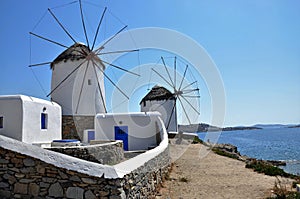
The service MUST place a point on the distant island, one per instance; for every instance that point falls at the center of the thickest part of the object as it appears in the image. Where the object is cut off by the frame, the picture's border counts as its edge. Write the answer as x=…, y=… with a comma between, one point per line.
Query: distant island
x=294, y=126
x=202, y=127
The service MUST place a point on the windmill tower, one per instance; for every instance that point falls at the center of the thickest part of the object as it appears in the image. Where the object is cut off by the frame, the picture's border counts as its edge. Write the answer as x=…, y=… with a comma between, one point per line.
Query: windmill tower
x=77, y=82
x=164, y=101
x=83, y=92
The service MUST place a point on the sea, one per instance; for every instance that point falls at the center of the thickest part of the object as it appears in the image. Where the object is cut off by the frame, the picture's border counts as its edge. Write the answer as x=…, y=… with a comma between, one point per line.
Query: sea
x=266, y=144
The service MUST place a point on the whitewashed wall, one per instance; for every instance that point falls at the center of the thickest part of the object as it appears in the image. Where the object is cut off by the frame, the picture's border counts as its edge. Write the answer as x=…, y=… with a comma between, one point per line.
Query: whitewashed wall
x=11, y=111
x=75, y=90
x=165, y=109
x=142, y=128
x=22, y=119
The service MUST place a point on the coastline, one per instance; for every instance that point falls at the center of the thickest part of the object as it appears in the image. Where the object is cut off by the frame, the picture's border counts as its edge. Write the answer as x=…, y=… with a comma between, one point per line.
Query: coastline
x=214, y=176
x=280, y=144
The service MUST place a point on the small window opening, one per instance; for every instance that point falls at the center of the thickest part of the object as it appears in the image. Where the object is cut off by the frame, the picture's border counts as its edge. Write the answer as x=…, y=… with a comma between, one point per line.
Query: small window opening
x=89, y=82
x=44, y=121
x=1, y=122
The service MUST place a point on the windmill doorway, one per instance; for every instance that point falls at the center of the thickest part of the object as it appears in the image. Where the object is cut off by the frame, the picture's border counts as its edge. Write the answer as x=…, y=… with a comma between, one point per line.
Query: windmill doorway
x=121, y=133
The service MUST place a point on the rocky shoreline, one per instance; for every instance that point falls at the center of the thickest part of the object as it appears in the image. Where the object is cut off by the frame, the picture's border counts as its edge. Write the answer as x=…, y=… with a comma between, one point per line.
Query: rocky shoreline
x=231, y=150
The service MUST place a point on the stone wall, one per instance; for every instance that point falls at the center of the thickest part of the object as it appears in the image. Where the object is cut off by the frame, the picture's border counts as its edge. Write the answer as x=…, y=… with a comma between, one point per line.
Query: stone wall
x=109, y=153
x=25, y=177
x=22, y=176
x=144, y=181
x=73, y=126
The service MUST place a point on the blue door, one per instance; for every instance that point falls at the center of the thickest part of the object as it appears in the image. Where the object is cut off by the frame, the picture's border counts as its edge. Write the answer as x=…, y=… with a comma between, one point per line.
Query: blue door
x=121, y=133
x=91, y=136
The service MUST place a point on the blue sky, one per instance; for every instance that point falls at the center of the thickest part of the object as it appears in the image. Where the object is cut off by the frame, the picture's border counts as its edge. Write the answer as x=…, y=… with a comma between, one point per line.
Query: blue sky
x=255, y=45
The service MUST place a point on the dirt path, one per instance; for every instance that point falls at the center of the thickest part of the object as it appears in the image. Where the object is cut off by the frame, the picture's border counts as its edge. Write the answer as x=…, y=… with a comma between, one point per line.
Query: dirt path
x=212, y=176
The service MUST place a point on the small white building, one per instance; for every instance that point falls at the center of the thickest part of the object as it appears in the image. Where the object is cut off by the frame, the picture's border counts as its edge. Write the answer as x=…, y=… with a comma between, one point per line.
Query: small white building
x=78, y=82
x=162, y=100
x=138, y=131
x=30, y=120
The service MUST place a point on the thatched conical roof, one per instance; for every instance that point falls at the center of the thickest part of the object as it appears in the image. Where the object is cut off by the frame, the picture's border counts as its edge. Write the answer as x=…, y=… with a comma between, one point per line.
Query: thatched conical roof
x=76, y=52
x=158, y=93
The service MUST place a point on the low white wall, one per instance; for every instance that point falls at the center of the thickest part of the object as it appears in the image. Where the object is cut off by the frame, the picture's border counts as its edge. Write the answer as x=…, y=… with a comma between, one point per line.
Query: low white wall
x=142, y=128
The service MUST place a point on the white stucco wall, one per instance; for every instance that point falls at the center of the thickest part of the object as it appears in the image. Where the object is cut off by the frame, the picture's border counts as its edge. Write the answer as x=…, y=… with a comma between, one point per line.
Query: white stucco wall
x=142, y=128
x=165, y=109
x=22, y=119
x=12, y=112
x=75, y=95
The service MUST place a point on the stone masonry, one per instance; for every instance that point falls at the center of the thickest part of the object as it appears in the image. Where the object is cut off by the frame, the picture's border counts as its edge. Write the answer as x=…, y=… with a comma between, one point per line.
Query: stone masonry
x=73, y=126
x=22, y=176
x=109, y=153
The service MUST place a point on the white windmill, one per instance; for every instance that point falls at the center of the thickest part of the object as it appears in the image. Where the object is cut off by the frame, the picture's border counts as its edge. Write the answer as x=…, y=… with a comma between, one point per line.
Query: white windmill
x=78, y=75
x=166, y=102
x=162, y=100
x=83, y=93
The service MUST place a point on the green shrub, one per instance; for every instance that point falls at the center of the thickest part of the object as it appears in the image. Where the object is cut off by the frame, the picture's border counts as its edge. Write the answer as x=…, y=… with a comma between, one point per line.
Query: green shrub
x=197, y=140
x=266, y=168
x=224, y=153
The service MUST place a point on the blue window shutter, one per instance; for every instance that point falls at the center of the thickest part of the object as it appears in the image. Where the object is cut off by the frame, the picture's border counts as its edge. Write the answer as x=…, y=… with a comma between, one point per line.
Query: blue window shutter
x=43, y=121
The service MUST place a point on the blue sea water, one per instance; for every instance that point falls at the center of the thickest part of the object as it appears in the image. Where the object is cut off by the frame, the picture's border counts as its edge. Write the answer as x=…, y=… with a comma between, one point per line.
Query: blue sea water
x=267, y=144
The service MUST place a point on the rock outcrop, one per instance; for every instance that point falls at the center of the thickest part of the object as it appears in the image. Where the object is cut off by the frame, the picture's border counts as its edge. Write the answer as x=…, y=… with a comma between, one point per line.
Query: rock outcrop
x=232, y=151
